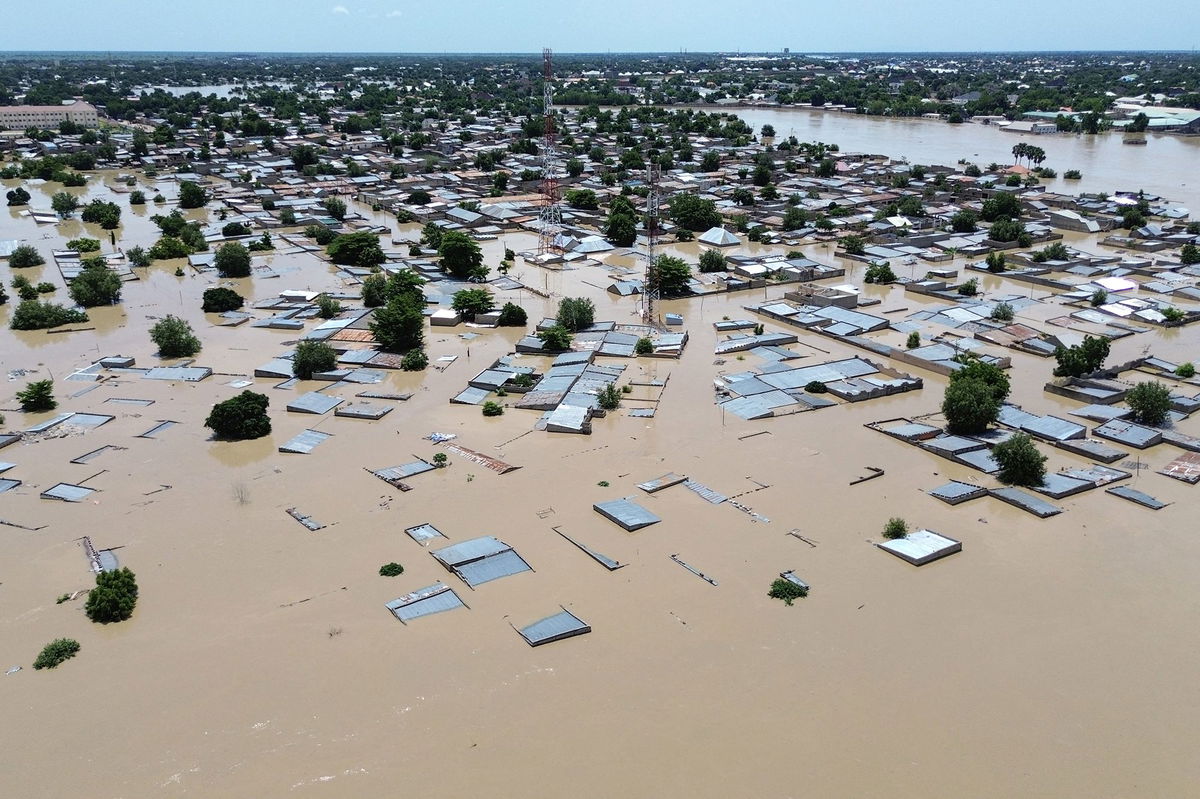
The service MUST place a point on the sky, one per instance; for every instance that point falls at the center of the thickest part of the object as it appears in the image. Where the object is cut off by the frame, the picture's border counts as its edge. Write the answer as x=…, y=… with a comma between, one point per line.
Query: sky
x=491, y=26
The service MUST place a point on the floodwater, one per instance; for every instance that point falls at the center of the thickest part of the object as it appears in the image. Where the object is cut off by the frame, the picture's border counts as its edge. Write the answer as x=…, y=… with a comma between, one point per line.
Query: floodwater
x=1166, y=165
x=1050, y=658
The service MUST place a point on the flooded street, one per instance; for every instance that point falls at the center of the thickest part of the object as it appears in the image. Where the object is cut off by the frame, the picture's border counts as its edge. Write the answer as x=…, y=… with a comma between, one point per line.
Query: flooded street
x=1049, y=658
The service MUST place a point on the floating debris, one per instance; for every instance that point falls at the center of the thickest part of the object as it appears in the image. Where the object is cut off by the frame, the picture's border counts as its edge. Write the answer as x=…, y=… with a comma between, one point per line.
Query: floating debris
x=694, y=570
x=308, y=521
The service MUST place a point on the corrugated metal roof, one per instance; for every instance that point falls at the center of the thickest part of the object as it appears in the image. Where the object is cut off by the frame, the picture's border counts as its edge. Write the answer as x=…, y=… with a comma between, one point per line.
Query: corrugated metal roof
x=67, y=492
x=304, y=442
x=393, y=473
x=466, y=551
x=436, y=598
x=626, y=513
x=493, y=567
x=554, y=628
x=423, y=533
x=188, y=374
x=314, y=402
x=8, y=484
x=158, y=428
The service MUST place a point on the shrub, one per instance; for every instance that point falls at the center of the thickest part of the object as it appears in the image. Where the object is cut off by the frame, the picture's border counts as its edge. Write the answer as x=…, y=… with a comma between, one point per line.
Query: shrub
x=880, y=273
x=414, y=361
x=895, y=528
x=38, y=396
x=1150, y=402
x=321, y=234
x=1099, y=297
x=312, y=357
x=391, y=570
x=287, y=216
x=609, y=397
x=46, y=288
x=328, y=307
x=96, y=284
x=512, y=315
x=712, y=261
x=440, y=459
x=556, y=338
x=491, y=408
x=64, y=204
x=1020, y=462
x=235, y=229
x=105, y=214
x=56, y=652
x=995, y=262
x=240, y=418
x=1072, y=174
x=853, y=245
x=1185, y=370
x=970, y=288
x=1003, y=312
x=374, y=291
x=1172, y=314
x=473, y=302
x=137, y=198
x=356, y=249
x=191, y=195
x=232, y=260
x=138, y=257
x=113, y=598
x=914, y=340
x=461, y=255
x=261, y=244
x=644, y=346
x=815, y=387
x=25, y=256
x=34, y=315
x=576, y=313
x=335, y=207
x=787, y=591
x=399, y=326
x=220, y=300
x=174, y=338
x=1081, y=359
x=83, y=244
x=168, y=247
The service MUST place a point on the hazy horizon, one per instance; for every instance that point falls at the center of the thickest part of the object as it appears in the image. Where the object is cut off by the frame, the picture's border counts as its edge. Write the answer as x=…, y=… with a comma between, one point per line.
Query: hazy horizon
x=507, y=27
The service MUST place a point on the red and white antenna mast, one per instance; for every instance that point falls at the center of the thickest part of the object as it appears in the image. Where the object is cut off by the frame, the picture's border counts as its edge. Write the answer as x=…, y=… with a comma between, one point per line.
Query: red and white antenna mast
x=550, y=219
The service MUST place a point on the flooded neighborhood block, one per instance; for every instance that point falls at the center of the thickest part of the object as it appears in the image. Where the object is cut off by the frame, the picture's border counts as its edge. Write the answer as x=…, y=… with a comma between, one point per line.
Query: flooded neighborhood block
x=921, y=546
x=626, y=513
x=436, y=598
x=554, y=628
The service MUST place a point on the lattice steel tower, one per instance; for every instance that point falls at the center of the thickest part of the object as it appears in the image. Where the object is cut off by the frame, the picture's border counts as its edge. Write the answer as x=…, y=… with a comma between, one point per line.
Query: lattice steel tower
x=651, y=291
x=550, y=218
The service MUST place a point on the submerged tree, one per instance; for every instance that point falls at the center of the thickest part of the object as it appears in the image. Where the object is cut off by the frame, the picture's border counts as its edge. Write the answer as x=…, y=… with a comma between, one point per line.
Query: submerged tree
x=240, y=418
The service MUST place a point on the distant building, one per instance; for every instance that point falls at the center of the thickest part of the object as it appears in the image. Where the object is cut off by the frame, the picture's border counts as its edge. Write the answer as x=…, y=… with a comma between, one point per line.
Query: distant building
x=21, y=117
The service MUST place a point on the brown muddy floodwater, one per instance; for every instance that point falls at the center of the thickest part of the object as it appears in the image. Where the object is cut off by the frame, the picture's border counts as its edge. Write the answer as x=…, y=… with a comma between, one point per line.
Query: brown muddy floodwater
x=1049, y=658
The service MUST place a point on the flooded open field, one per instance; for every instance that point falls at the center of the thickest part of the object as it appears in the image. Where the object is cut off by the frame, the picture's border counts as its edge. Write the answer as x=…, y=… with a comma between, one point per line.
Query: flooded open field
x=1049, y=658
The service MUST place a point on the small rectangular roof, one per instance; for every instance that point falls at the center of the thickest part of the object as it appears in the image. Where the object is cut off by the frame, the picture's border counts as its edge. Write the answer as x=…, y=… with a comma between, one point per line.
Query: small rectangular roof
x=436, y=598
x=554, y=628
x=921, y=546
x=626, y=513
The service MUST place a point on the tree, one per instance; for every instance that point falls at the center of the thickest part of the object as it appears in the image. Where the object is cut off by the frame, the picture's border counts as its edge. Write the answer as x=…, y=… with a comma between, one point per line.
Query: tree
x=827, y=168
x=1006, y=230
x=621, y=227
x=96, y=284
x=34, y=315
x=25, y=256
x=1190, y=254
x=711, y=161
x=232, y=260
x=693, y=212
x=742, y=196
x=673, y=275
x=854, y=245
x=473, y=302
x=1004, y=205
x=137, y=197
x=55, y=652
x=1002, y=312
x=895, y=528
x=114, y=597
x=321, y=234
x=1150, y=401
x=963, y=221
x=312, y=357
x=555, y=338
x=787, y=590
x=391, y=570
x=234, y=229
x=64, y=204
x=37, y=397
x=512, y=315
x=1020, y=461
x=609, y=397
x=492, y=408
x=1081, y=359
x=880, y=273
x=969, y=288
x=220, y=300
x=328, y=307
x=574, y=167
x=995, y=262
x=914, y=340
x=105, y=214
x=374, y=288
x=461, y=255
x=191, y=195
x=240, y=418
x=17, y=196
x=794, y=218
x=576, y=313
x=972, y=368
x=335, y=207
x=644, y=346
x=83, y=244
x=583, y=199
x=414, y=361
x=399, y=325
x=174, y=338
x=712, y=261
x=969, y=406
x=357, y=249
x=431, y=234
x=168, y=247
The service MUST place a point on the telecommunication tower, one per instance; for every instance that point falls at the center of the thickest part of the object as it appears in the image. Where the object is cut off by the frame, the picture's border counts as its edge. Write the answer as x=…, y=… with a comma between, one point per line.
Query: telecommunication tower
x=651, y=291
x=550, y=218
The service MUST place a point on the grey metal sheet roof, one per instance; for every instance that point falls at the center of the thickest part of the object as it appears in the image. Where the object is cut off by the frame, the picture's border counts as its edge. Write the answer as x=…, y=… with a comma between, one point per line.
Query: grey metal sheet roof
x=314, y=402
x=473, y=549
x=493, y=567
x=91, y=419
x=67, y=492
x=665, y=481
x=1101, y=413
x=436, y=598
x=952, y=445
x=955, y=492
x=1054, y=428
x=1026, y=501
x=8, y=484
x=1093, y=448
x=158, y=428
x=747, y=408
x=423, y=533
x=1134, y=435
x=1140, y=498
x=1058, y=485
x=188, y=374
x=404, y=470
x=1013, y=416
x=626, y=513
x=49, y=423
x=304, y=443
x=980, y=459
x=554, y=628
x=363, y=410
x=471, y=396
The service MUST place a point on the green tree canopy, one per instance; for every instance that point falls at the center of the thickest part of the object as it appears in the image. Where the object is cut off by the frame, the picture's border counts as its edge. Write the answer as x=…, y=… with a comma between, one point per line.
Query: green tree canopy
x=399, y=325
x=241, y=417
x=113, y=598
x=692, y=212
x=312, y=357
x=357, y=249
x=1150, y=401
x=96, y=284
x=1081, y=359
x=461, y=255
x=576, y=313
x=969, y=405
x=191, y=195
x=174, y=338
x=673, y=275
x=1020, y=461
x=232, y=260
x=473, y=302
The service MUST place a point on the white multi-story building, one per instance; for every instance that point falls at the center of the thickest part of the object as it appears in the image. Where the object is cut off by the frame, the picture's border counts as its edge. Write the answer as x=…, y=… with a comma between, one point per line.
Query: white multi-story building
x=21, y=117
